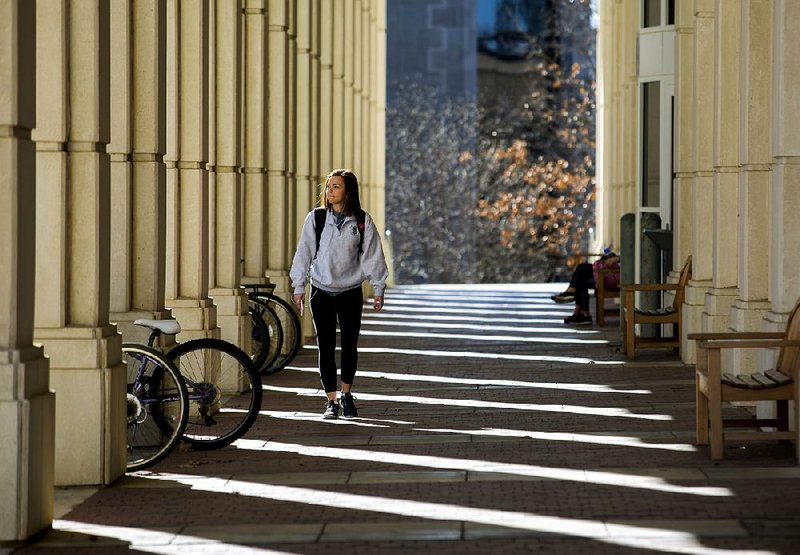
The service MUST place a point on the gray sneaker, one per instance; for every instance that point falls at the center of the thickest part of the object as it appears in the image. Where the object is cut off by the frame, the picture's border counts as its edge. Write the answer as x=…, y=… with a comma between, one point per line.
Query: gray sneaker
x=349, y=409
x=331, y=410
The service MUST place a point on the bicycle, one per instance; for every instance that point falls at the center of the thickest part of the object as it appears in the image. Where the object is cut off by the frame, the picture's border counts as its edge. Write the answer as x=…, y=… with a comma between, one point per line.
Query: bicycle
x=222, y=392
x=266, y=337
x=289, y=322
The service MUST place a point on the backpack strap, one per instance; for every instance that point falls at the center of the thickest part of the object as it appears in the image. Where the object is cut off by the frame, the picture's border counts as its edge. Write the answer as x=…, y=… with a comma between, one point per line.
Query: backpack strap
x=361, y=218
x=319, y=222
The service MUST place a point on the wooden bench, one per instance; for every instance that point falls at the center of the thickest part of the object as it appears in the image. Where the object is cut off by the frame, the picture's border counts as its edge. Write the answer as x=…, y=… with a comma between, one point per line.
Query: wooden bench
x=631, y=316
x=714, y=386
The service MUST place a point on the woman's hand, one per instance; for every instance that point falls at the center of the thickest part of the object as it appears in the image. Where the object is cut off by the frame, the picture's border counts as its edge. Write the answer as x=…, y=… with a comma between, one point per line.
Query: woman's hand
x=299, y=302
x=378, y=303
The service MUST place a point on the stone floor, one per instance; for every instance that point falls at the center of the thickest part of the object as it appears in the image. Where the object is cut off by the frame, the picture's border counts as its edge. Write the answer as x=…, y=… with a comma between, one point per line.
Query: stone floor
x=486, y=426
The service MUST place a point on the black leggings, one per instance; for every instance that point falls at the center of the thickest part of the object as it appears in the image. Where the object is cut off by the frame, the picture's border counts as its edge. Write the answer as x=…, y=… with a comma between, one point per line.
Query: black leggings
x=582, y=280
x=326, y=309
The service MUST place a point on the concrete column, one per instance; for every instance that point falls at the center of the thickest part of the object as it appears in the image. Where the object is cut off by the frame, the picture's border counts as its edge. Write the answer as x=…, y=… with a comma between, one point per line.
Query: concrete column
x=138, y=173
x=316, y=71
x=348, y=127
x=703, y=184
x=785, y=199
x=357, y=42
x=630, y=122
x=784, y=242
x=725, y=248
x=683, y=135
x=303, y=124
x=338, y=122
x=72, y=241
x=187, y=174
x=365, y=121
x=27, y=406
x=225, y=281
x=255, y=122
x=289, y=237
x=755, y=150
x=378, y=139
x=278, y=219
x=326, y=107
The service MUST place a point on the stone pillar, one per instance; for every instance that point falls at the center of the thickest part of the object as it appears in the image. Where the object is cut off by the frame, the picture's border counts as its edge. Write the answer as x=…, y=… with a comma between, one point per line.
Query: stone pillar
x=316, y=96
x=348, y=128
x=754, y=180
x=378, y=139
x=605, y=227
x=72, y=241
x=289, y=236
x=303, y=124
x=255, y=235
x=630, y=121
x=784, y=242
x=338, y=123
x=703, y=183
x=326, y=107
x=27, y=406
x=725, y=248
x=357, y=35
x=138, y=173
x=229, y=297
x=278, y=134
x=683, y=140
x=187, y=175
x=366, y=122
x=785, y=225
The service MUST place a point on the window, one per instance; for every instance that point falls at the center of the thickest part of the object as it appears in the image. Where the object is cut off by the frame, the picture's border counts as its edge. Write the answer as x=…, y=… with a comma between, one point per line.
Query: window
x=651, y=143
x=652, y=13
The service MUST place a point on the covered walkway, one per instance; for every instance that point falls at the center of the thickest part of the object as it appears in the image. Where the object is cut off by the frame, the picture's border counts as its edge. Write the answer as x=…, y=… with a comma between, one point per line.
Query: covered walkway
x=487, y=426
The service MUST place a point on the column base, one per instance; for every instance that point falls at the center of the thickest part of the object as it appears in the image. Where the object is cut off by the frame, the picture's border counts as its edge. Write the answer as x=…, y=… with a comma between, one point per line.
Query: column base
x=27, y=456
x=89, y=379
x=233, y=316
x=718, y=303
x=281, y=280
x=745, y=316
x=197, y=317
x=693, y=306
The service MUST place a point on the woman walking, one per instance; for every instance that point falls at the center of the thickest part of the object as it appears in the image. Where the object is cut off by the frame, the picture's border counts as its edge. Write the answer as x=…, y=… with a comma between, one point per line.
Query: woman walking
x=339, y=248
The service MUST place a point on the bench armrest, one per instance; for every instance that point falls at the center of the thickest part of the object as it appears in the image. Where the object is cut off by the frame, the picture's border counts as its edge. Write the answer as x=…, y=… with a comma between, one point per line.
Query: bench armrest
x=737, y=335
x=747, y=344
x=651, y=287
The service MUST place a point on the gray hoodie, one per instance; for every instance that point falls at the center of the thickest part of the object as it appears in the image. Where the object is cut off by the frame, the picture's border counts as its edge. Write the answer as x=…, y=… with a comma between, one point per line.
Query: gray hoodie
x=337, y=266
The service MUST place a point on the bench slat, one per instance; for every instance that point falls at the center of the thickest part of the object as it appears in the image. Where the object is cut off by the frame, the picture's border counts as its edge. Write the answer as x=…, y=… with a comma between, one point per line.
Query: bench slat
x=778, y=376
x=740, y=381
x=764, y=380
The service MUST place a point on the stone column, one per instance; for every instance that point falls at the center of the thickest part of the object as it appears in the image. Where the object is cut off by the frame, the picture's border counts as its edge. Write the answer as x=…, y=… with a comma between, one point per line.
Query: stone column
x=278, y=220
x=378, y=139
x=338, y=120
x=229, y=297
x=254, y=153
x=683, y=139
x=27, y=406
x=630, y=121
x=357, y=34
x=187, y=174
x=72, y=241
x=365, y=121
x=326, y=104
x=785, y=225
x=703, y=182
x=303, y=124
x=348, y=128
x=754, y=180
x=289, y=236
x=725, y=249
x=316, y=71
x=138, y=173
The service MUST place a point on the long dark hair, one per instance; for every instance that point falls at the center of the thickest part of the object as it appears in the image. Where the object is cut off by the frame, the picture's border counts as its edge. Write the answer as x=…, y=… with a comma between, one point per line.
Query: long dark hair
x=352, y=202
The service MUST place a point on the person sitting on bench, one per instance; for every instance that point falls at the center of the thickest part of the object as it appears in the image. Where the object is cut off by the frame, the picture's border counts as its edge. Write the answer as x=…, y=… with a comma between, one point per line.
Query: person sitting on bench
x=584, y=278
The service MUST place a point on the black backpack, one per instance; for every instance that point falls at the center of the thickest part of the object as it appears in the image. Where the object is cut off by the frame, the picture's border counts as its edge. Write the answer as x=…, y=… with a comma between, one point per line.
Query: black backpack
x=319, y=223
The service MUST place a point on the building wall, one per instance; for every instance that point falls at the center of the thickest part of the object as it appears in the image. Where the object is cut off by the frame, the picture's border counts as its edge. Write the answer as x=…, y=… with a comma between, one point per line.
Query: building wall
x=160, y=154
x=734, y=159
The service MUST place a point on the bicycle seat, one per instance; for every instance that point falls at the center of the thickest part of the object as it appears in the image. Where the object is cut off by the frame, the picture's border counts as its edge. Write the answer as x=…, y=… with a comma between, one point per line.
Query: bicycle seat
x=168, y=327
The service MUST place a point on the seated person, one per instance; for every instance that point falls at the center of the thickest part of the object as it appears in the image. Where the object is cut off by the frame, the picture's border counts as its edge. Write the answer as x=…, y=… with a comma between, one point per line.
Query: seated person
x=583, y=279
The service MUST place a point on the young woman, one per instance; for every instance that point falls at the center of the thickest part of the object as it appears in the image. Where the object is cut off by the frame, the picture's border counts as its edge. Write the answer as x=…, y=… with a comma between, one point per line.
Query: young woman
x=584, y=278
x=337, y=269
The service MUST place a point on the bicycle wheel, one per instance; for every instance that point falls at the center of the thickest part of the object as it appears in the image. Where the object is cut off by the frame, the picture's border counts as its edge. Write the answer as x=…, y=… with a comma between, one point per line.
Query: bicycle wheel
x=267, y=336
x=292, y=331
x=158, y=406
x=224, y=391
